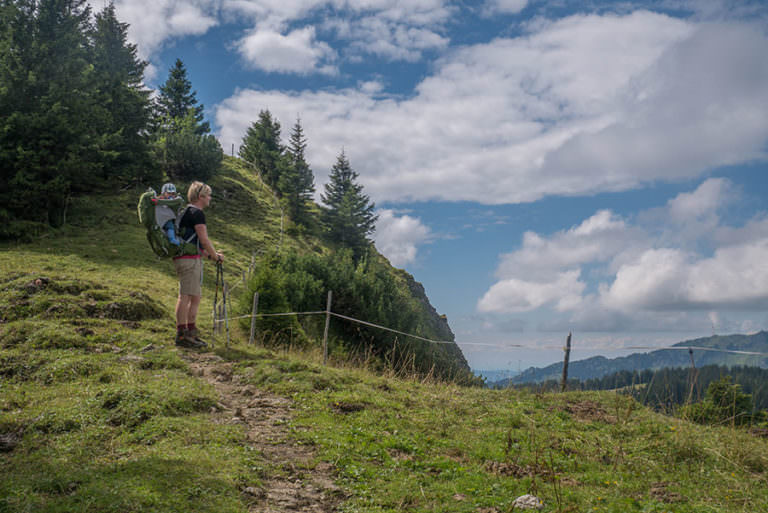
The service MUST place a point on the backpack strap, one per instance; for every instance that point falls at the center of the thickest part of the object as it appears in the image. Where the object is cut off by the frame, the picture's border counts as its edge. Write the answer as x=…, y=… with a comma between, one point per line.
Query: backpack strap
x=179, y=217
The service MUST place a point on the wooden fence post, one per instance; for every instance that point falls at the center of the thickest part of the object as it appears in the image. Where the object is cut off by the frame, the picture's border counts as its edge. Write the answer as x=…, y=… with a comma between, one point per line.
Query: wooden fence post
x=564, y=383
x=327, y=323
x=691, y=376
x=253, y=317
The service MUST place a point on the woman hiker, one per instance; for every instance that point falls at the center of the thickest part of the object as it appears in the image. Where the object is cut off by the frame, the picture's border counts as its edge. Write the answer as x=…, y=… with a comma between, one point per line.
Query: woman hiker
x=189, y=268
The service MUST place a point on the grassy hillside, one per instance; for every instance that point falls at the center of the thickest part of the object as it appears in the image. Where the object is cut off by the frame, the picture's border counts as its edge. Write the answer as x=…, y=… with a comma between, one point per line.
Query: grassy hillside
x=99, y=412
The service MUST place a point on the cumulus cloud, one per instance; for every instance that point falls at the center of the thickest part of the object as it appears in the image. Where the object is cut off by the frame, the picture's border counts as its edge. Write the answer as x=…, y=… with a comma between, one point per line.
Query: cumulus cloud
x=666, y=279
x=645, y=277
x=581, y=105
x=297, y=52
x=152, y=22
x=397, y=237
x=387, y=38
x=600, y=238
x=521, y=295
x=393, y=29
x=504, y=6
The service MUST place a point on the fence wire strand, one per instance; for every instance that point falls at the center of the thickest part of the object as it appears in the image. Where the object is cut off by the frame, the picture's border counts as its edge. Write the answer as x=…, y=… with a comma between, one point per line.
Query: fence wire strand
x=502, y=346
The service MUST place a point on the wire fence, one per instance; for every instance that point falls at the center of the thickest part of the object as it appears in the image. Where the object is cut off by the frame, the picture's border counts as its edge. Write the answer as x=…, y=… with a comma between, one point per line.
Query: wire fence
x=255, y=314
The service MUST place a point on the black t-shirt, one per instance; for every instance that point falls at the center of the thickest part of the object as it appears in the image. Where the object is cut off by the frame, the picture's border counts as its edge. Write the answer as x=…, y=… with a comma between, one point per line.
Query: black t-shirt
x=191, y=218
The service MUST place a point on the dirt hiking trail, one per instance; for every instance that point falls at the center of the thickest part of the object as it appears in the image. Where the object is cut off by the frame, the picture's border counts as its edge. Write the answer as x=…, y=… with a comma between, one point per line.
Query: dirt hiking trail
x=296, y=482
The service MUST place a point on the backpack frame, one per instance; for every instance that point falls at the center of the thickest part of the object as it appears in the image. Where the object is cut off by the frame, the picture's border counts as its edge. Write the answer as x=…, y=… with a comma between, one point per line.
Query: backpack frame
x=156, y=237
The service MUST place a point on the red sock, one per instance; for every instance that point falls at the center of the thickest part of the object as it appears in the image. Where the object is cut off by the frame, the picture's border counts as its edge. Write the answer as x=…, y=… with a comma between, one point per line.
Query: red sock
x=191, y=326
x=180, y=327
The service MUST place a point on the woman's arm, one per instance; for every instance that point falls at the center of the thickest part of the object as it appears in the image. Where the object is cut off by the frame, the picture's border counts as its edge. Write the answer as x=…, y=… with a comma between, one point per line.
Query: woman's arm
x=202, y=235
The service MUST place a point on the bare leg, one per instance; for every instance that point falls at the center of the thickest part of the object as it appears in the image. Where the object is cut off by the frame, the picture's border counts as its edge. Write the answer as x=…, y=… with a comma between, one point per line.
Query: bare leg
x=183, y=309
x=194, y=304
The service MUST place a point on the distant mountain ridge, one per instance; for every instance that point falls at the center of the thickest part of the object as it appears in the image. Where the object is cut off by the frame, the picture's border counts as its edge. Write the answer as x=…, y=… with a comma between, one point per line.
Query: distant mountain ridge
x=599, y=366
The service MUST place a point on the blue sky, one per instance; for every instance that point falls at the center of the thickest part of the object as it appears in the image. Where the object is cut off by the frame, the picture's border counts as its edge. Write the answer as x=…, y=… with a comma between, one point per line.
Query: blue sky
x=540, y=167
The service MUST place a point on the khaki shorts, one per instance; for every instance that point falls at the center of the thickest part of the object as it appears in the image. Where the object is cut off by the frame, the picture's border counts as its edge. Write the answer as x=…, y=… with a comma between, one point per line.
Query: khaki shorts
x=190, y=273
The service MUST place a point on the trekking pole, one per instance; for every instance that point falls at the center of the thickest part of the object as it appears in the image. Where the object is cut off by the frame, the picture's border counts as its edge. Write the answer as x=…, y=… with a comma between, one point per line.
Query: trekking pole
x=224, y=294
x=219, y=281
x=226, y=315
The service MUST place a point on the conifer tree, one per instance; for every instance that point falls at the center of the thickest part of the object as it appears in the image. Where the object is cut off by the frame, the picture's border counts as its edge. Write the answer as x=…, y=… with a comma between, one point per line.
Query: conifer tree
x=177, y=98
x=184, y=145
x=120, y=75
x=297, y=183
x=350, y=217
x=48, y=147
x=262, y=147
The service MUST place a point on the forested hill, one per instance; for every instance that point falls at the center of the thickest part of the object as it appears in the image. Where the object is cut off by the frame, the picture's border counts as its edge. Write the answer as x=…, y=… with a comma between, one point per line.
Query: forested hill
x=600, y=366
x=78, y=124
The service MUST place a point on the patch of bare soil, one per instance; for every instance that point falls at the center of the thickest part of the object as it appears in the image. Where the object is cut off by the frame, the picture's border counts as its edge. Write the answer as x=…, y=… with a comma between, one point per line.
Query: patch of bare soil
x=660, y=492
x=517, y=471
x=298, y=483
x=589, y=411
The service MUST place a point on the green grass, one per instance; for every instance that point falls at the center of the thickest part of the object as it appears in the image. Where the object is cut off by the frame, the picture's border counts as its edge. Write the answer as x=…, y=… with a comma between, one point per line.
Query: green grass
x=405, y=445
x=103, y=414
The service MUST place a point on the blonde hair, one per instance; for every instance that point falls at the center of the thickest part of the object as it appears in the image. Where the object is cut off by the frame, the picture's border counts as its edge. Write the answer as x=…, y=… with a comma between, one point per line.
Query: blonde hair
x=196, y=190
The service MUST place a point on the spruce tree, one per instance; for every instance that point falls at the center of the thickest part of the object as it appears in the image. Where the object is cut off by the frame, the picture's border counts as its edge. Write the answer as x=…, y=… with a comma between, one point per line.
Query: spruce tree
x=120, y=75
x=262, y=147
x=177, y=98
x=183, y=143
x=350, y=217
x=297, y=183
x=48, y=145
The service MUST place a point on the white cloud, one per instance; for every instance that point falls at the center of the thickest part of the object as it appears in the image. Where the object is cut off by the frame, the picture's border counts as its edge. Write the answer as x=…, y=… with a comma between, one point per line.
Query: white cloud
x=644, y=276
x=505, y=6
x=394, y=29
x=666, y=279
x=298, y=51
x=577, y=106
x=520, y=295
x=152, y=22
x=387, y=38
x=690, y=219
x=398, y=237
x=598, y=239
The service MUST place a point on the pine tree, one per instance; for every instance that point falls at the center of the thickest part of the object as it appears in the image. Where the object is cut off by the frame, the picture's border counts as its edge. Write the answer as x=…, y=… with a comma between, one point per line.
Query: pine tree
x=177, y=98
x=262, y=147
x=350, y=217
x=120, y=74
x=297, y=183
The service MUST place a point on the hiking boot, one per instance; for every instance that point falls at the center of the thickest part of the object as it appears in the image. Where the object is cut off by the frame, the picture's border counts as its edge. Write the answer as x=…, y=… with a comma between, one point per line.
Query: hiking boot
x=184, y=340
x=191, y=336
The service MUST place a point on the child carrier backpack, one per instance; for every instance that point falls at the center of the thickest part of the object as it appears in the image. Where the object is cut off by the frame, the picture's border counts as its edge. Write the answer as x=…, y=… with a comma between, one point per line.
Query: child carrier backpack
x=157, y=238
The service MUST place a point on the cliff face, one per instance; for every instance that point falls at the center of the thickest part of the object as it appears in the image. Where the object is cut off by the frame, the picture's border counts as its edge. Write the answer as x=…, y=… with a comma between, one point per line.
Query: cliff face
x=436, y=323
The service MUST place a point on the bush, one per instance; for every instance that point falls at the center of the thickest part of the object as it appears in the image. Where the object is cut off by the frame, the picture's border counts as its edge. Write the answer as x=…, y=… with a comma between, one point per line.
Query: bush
x=724, y=403
x=367, y=291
